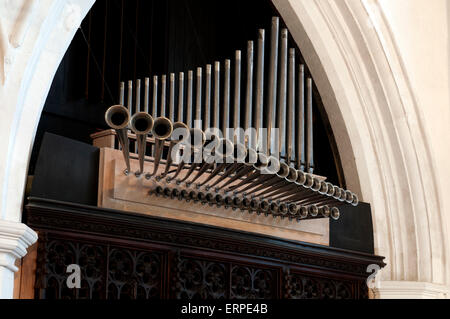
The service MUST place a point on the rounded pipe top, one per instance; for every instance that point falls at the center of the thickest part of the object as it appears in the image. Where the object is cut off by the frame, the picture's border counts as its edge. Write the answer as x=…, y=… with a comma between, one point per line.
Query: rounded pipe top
x=117, y=117
x=141, y=123
x=292, y=175
x=162, y=128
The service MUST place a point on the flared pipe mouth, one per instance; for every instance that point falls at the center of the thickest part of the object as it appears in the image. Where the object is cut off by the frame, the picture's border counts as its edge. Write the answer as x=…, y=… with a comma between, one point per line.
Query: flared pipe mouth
x=224, y=148
x=335, y=214
x=292, y=208
x=323, y=190
x=292, y=176
x=316, y=184
x=283, y=208
x=303, y=212
x=175, y=193
x=355, y=200
x=193, y=195
x=228, y=201
x=254, y=205
x=117, y=117
x=309, y=180
x=239, y=152
x=251, y=158
x=272, y=167
x=167, y=192
x=210, y=198
x=201, y=196
x=330, y=191
x=283, y=171
x=218, y=199
x=159, y=190
x=325, y=211
x=237, y=202
x=180, y=132
x=245, y=203
x=162, y=128
x=274, y=208
x=141, y=123
x=342, y=196
x=264, y=205
x=337, y=192
x=301, y=178
x=313, y=210
x=184, y=194
x=348, y=196
x=261, y=161
x=197, y=138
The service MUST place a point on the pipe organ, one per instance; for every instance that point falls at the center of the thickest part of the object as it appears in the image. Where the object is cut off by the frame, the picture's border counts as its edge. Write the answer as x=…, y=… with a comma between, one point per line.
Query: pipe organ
x=191, y=143
x=207, y=181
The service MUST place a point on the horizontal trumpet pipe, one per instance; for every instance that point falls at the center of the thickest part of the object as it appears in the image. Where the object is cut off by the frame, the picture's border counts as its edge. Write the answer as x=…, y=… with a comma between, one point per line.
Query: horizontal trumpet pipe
x=141, y=124
x=117, y=117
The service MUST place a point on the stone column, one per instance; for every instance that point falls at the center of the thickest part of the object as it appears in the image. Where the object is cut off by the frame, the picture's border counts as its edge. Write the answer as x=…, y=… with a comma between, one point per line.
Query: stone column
x=15, y=238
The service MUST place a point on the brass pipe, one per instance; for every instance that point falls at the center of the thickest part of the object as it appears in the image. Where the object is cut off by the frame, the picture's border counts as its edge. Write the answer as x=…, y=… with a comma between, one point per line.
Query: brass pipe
x=172, y=97
x=282, y=94
x=271, y=94
x=180, y=97
x=138, y=96
x=189, y=99
x=206, y=115
x=198, y=97
x=117, y=117
x=155, y=97
x=291, y=104
x=146, y=94
x=301, y=160
x=130, y=97
x=309, y=128
x=237, y=90
x=162, y=129
x=141, y=124
x=233, y=168
x=249, y=92
x=215, y=122
x=226, y=98
x=197, y=140
x=121, y=93
x=173, y=141
x=162, y=110
x=259, y=82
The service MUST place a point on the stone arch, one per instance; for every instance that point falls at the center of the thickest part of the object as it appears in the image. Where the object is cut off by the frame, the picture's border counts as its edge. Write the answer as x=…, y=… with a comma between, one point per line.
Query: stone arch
x=379, y=128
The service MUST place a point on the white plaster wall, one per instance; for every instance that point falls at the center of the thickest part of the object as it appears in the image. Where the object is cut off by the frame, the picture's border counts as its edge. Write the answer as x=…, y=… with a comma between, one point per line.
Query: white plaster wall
x=421, y=31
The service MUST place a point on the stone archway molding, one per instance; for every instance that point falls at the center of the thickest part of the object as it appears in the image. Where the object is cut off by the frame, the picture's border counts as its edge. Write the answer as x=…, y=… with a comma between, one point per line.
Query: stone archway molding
x=382, y=137
x=34, y=36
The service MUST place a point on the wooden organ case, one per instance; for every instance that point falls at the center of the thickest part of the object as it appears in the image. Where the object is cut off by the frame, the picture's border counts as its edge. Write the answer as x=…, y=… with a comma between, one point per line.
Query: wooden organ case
x=142, y=224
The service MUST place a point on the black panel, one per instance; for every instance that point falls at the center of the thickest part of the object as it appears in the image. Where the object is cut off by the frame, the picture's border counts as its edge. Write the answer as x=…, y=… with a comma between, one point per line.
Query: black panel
x=66, y=170
x=353, y=230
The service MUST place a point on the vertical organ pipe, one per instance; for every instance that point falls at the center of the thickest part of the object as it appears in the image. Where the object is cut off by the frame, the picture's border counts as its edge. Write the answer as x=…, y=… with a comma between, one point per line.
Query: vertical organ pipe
x=162, y=110
x=198, y=99
x=207, y=113
x=226, y=98
x=189, y=98
x=271, y=94
x=172, y=97
x=309, y=125
x=291, y=103
x=282, y=93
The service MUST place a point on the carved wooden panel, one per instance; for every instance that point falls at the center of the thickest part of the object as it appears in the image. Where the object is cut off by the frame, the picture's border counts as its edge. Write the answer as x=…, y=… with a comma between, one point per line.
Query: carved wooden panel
x=123, y=256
